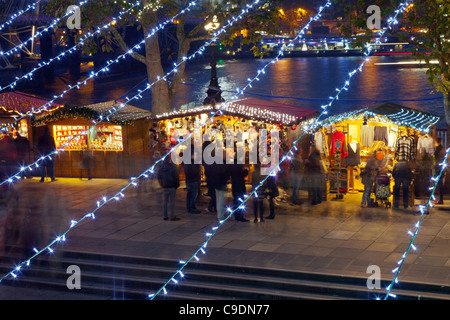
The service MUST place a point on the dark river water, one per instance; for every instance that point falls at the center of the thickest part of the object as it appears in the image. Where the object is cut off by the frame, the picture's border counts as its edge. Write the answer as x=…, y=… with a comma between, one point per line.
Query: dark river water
x=305, y=82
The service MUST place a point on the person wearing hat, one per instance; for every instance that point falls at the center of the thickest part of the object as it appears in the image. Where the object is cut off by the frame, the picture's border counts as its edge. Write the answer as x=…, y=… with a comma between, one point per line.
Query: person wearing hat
x=376, y=162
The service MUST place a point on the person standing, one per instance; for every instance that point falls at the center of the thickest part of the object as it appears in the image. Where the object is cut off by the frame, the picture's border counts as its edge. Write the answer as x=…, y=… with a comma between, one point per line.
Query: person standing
x=296, y=172
x=271, y=192
x=238, y=173
x=23, y=152
x=192, y=175
x=439, y=156
x=258, y=195
x=220, y=174
x=375, y=162
x=169, y=180
x=402, y=175
x=315, y=169
x=46, y=147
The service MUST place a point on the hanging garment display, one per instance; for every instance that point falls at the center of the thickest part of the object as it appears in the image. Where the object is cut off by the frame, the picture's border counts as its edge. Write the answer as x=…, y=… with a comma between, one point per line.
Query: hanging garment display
x=381, y=134
x=338, y=136
x=367, y=135
x=404, y=150
x=321, y=142
x=425, y=144
x=354, y=157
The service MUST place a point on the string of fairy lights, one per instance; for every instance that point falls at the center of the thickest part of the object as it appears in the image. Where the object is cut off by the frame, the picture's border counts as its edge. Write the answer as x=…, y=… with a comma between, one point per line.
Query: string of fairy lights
x=13, y=17
x=178, y=275
x=106, y=67
x=81, y=42
x=423, y=209
x=38, y=33
x=120, y=194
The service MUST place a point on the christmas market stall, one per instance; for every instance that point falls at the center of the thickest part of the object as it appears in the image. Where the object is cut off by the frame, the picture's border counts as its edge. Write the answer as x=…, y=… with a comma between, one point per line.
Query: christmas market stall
x=117, y=147
x=238, y=116
x=390, y=132
x=14, y=105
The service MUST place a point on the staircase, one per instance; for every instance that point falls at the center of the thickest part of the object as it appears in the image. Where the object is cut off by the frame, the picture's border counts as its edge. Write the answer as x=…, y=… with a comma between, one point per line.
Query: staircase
x=133, y=278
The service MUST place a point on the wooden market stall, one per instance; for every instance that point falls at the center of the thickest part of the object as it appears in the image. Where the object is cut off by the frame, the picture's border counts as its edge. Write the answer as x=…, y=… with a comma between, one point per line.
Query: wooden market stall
x=348, y=139
x=115, y=148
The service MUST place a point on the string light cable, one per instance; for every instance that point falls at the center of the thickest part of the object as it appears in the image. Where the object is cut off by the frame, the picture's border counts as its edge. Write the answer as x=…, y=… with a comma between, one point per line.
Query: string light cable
x=29, y=75
x=423, y=210
x=19, y=13
x=38, y=33
x=120, y=194
x=105, y=68
x=287, y=156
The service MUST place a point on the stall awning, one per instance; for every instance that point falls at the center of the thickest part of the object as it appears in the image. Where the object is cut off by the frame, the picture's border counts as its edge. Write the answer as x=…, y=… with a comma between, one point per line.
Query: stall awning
x=400, y=115
x=23, y=103
x=251, y=108
x=125, y=113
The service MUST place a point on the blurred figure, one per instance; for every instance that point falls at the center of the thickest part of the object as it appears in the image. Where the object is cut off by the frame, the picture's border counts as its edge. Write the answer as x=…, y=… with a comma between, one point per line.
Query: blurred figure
x=169, y=180
x=8, y=155
x=296, y=171
x=192, y=175
x=23, y=152
x=315, y=170
x=258, y=195
x=375, y=162
x=439, y=156
x=271, y=191
x=238, y=172
x=402, y=175
x=46, y=146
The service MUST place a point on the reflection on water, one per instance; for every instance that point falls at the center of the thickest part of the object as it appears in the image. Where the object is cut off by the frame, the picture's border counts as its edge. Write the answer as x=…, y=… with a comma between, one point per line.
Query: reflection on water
x=306, y=82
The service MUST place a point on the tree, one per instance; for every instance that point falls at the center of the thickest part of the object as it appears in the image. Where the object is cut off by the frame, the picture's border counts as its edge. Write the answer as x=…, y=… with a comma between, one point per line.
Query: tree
x=149, y=15
x=425, y=24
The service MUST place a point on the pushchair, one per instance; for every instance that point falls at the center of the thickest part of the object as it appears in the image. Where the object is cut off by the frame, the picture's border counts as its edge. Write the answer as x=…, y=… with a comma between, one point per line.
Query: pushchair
x=382, y=189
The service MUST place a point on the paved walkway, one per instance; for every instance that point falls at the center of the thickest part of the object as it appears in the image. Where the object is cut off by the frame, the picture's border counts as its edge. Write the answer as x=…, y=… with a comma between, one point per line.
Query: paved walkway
x=336, y=237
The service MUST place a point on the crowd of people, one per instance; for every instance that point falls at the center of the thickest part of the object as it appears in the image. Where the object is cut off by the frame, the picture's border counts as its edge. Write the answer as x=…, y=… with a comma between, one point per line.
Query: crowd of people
x=246, y=181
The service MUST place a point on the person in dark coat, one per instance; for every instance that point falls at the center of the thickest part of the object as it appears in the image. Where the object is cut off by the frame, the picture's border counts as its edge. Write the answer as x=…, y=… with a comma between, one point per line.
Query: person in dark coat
x=192, y=175
x=439, y=156
x=8, y=155
x=238, y=172
x=315, y=171
x=271, y=192
x=402, y=175
x=220, y=174
x=209, y=178
x=23, y=152
x=46, y=146
x=169, y=180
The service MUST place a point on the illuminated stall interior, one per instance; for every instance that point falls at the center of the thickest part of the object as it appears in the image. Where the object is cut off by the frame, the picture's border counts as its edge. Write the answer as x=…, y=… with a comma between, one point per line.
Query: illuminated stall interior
x=14, y=105
x=117, y=146
x=240, y=115
x=367, y=130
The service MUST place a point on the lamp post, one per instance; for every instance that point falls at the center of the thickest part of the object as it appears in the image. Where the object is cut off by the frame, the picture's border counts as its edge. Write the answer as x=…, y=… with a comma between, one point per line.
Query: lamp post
x=214, y=94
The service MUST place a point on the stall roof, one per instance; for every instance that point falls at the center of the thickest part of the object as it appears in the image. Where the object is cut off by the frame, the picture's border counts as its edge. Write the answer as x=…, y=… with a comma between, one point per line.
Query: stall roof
x=400, y=115
x=127, y=113
x=255, y=108
x=22, y=103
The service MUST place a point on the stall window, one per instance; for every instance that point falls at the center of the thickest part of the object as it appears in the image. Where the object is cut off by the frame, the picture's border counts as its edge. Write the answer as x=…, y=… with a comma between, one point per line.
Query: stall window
x=106, y=138
x=70, y=137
